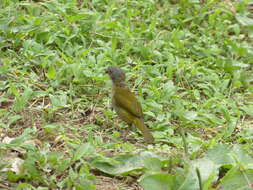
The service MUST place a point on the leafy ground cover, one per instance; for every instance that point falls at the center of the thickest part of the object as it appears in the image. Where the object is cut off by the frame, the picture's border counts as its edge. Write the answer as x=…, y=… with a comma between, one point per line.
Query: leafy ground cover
x=189, y=62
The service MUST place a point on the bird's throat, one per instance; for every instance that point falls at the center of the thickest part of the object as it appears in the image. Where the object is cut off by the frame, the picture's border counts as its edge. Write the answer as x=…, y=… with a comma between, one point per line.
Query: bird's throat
x=119, y=84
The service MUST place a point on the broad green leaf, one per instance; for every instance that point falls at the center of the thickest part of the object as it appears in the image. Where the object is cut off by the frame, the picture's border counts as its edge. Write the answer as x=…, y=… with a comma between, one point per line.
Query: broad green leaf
x=186, y=179
x=153, y=164
x=244, y=20
x=220, y=154
x=83, y=150
x=158, y=181
x=129, y=163
x=209, y=171
x=59, y=101
x=237, y=178
x=241, y=157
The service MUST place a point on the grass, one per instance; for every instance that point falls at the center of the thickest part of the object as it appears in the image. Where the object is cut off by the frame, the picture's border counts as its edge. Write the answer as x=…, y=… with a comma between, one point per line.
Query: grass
x=189, y=63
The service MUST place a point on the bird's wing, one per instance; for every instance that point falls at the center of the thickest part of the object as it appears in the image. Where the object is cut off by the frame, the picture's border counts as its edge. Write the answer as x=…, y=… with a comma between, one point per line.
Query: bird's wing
x=125, y=99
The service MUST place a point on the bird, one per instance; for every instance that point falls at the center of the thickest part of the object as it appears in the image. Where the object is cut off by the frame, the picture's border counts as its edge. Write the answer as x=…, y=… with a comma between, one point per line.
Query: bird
x=125, y=103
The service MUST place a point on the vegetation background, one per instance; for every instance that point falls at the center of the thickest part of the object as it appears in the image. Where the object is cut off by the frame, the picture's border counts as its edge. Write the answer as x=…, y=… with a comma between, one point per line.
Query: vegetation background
x=189, y=62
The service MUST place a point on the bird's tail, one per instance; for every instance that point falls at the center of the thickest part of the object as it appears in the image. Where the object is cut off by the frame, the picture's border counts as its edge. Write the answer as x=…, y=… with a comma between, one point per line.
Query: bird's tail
x=145, y=131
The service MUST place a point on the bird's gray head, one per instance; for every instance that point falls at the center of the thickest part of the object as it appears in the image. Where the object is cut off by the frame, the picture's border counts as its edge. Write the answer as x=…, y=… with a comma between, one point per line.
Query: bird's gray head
x=116, y=74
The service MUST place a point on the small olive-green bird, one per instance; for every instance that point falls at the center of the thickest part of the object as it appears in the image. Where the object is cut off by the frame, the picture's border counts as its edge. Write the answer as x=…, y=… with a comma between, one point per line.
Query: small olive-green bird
x=125, y=104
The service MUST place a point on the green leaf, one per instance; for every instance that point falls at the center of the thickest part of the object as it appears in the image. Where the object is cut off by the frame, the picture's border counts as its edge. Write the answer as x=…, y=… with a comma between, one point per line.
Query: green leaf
x=190, y=115
x=21, y=101
x=237, y=178
x=241, y=157
x=226, y=155
x=158, y=182
x=30, y=165
x=49, y=128
x=153, y=164
x=209, y=171
x=244, y=20
x=248, y=110
x=13, y=177
x=83, y=150
x=51, y=72
x=59, y=101
x=125, y=164
x=220, y=154
x=13, y=119
x=22, y=138
x=22, y=186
